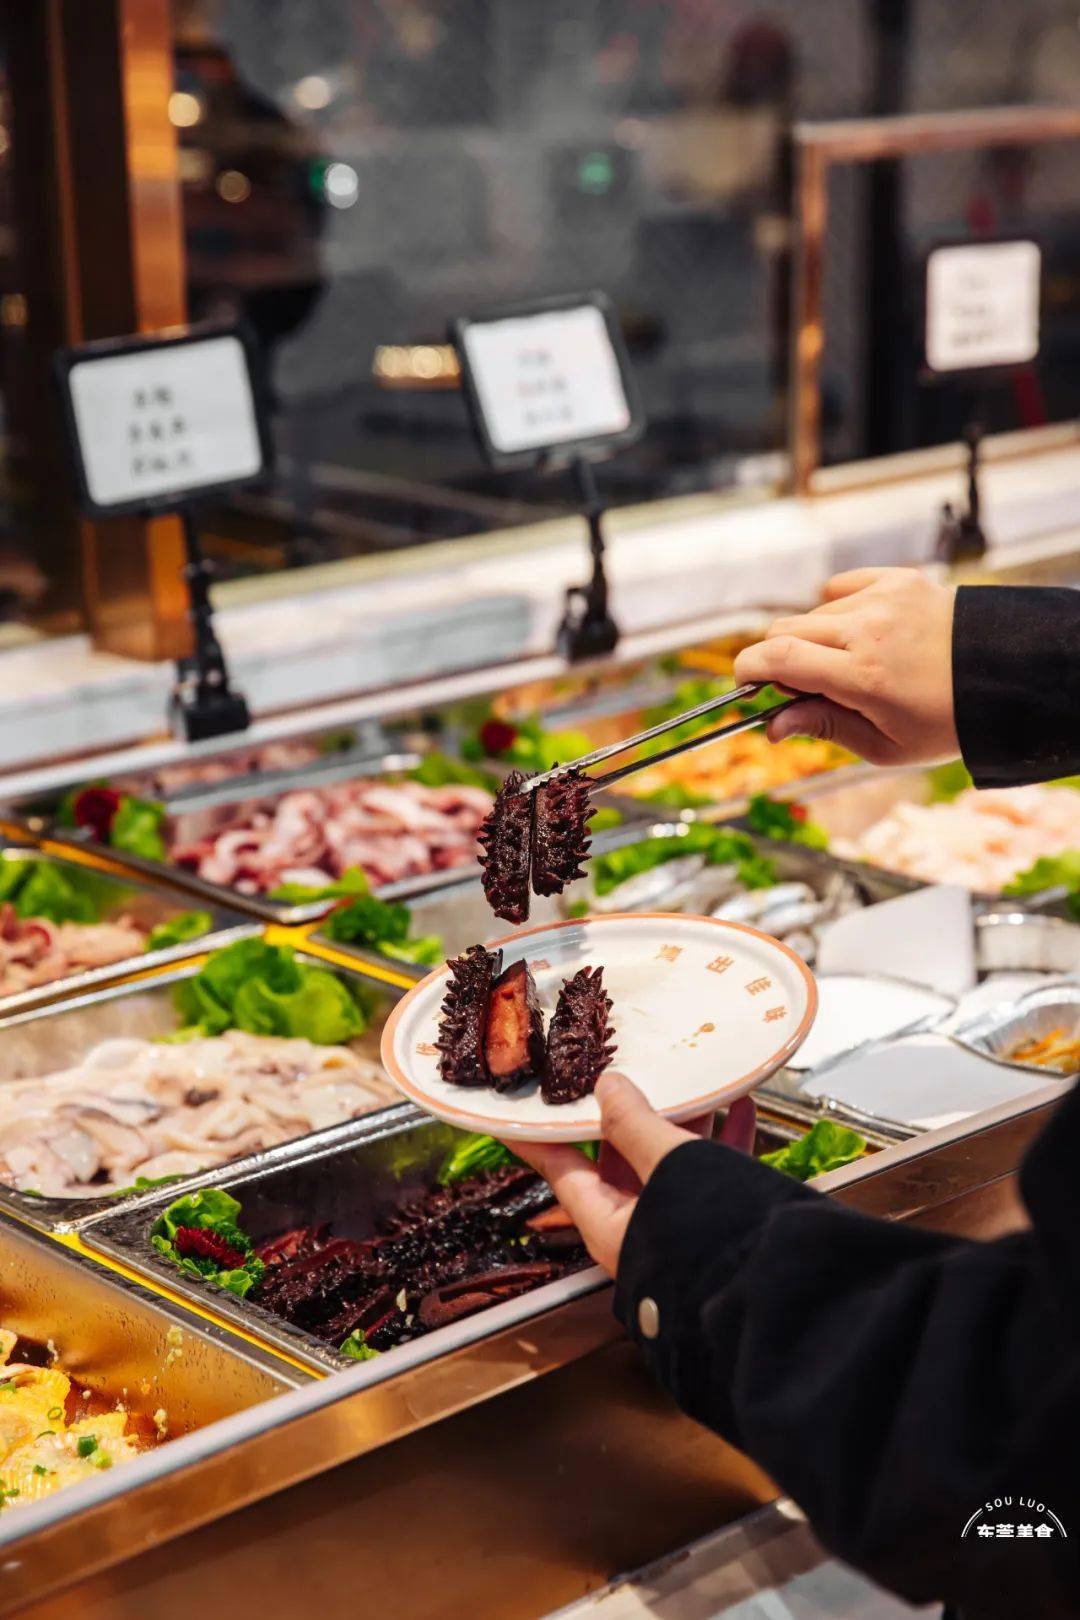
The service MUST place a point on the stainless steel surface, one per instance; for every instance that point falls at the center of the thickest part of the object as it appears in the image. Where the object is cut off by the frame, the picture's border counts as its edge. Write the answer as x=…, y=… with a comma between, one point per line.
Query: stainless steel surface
x=998, y=1032
x=383, y=1165
x=1013, y=941
x=147, y=906
x=461, y=915
x=611, y=749
x=51, y=1038
x=37, y=814
x=115, y=1337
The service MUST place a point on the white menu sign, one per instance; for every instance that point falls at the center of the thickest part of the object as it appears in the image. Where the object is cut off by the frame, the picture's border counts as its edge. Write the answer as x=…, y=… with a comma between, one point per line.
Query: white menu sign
x=982, y=305
x=547, y=379
x=168, y=419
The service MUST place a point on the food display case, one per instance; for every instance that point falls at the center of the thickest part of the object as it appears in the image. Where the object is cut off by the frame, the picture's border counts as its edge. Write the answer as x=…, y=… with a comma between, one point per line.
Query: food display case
x=520, y=1425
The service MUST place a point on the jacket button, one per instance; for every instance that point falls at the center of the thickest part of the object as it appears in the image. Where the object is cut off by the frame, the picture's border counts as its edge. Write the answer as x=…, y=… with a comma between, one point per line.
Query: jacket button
x=648, y=1318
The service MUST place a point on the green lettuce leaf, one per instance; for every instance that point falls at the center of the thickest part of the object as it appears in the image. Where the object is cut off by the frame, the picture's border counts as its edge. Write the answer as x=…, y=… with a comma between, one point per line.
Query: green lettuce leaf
x=948, y=781
x=213, y=1211
x=826, y=1146
x=441, y=770
x=58, y=893
x=136, y=827
x=719, y=845
x=1052, y=872
x=179, y=929
x=357, y=1348
x=776, y=818
x=263, y=989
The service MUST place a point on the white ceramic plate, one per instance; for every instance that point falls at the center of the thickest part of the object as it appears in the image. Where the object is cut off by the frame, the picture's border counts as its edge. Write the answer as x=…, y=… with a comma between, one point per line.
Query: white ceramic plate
x=704, y=1010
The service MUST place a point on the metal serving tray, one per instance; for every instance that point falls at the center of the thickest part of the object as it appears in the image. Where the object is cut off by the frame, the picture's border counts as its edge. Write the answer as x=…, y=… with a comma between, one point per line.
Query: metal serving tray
x=846, y=805
x=349, y=1184
x=147, y=906
x=202, y=807
x=461, y=915
x=997, y=1033
x=1006, y=941
x=46, y=1039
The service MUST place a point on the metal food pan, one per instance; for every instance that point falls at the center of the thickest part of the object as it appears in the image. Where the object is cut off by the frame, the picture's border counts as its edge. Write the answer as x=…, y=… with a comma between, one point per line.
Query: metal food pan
x=202, y=809
x=460, y=913
x=46, y=1039
x=851, y=802
x=999, y=1032
x=146, y=905
x=349, y=1184
x=118, y=1339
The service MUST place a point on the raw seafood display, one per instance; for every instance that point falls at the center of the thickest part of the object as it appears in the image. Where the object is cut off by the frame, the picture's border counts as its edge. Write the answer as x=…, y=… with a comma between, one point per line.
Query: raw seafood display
x=580, y=1044
x=536, y=840
x=390, y=830
x=136, y=1109
x=183, y=773
x=259, y=1057
x=57, y=919
x=50, y=1437
x=718, y=872
x=983, y=839
x=491, y=1030
x=454, y=1250
x=35, y=951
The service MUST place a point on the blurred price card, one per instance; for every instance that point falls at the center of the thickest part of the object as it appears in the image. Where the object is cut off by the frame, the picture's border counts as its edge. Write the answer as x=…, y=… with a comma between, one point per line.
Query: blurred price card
x=157, y=422
x=982, y=306
x=549, y=382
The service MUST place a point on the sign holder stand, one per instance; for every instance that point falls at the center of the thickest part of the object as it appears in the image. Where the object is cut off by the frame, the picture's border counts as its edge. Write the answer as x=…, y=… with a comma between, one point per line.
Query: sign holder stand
x=204, y=702
x=146, y=437
x=962, y=538
x=587, y=628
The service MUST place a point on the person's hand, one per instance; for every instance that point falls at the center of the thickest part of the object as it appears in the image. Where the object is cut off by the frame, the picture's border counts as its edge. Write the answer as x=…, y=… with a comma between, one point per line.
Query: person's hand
x=600, y=1198
x=878, y=657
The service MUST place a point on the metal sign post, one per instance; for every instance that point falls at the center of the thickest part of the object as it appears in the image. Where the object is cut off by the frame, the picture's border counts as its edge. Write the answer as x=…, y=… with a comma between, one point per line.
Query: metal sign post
x=549, y=386
x=158, y=424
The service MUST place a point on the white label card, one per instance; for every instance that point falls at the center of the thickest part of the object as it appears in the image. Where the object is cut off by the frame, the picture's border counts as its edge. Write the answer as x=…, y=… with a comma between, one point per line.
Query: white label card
x=547, y=379
x=982, y=305
x=165, y=420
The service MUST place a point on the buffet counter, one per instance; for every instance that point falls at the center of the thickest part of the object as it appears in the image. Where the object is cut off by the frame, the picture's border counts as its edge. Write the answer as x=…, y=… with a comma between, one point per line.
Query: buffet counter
x=200, y=1151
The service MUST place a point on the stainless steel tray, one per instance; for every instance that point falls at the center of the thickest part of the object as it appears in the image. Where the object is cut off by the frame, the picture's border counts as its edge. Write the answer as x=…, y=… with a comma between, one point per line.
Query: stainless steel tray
x=37, y=815
x=997, y=1033
x=1006, y=941
x=349, y=1184
x=49, y=1038
x=461, y=915
x=115, y=1336
x=147, y=905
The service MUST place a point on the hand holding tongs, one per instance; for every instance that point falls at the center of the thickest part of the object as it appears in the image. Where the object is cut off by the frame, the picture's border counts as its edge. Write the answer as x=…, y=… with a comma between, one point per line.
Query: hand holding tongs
x=748, y=721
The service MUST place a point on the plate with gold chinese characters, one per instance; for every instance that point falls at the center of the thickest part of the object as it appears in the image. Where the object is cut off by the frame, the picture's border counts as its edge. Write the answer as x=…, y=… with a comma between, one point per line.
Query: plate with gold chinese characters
x=702, y=1011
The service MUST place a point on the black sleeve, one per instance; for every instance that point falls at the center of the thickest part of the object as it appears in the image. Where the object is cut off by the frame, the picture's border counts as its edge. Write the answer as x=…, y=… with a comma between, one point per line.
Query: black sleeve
x=1016, y=682
x=892, y=1380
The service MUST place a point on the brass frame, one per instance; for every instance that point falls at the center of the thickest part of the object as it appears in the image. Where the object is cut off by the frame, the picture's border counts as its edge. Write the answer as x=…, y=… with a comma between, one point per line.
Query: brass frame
x=820, y=146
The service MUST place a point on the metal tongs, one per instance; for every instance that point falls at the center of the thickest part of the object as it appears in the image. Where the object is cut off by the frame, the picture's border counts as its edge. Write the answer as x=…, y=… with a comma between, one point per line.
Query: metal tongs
x=747, y=723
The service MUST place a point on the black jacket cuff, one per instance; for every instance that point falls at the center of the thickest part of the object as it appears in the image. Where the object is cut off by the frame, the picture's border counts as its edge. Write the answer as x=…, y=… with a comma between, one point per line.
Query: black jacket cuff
x=701, y=1208
x=1016, y=683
